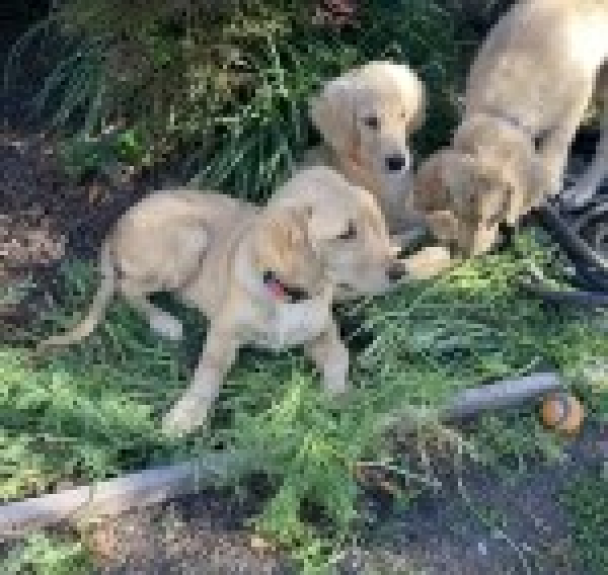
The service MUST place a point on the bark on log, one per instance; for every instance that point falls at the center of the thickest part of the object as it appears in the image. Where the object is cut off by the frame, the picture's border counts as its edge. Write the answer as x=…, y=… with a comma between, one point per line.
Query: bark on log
x=500, y=395
x=115, y=496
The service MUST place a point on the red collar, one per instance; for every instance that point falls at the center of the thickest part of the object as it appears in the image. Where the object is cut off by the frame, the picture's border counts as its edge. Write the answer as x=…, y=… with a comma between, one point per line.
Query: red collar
x=282, y=291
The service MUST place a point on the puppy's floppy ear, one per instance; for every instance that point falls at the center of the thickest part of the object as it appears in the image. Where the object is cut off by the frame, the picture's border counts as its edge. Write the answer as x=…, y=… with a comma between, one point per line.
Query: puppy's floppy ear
x=430, y=190
x=523, y=178
x=325, y=225
x=419, y=114
x=333, y=113
x=283, y=233
x=305, y=226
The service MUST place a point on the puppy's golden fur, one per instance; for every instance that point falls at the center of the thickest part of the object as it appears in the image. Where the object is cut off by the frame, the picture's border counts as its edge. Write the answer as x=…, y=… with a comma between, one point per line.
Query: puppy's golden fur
x=526, y=95
x=465, y=200
x=366, y=117
x=234, y=263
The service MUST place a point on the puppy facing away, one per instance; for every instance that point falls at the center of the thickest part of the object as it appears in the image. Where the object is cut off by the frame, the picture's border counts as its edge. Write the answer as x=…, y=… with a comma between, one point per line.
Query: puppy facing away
x=262, y=276
x=366, y=117
x=527, y=92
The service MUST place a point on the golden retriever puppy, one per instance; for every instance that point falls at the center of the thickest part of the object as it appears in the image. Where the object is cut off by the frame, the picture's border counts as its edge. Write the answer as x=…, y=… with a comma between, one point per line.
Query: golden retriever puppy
x=526, y=95
x=366, y=117
x=261, y=276
x=466, y=201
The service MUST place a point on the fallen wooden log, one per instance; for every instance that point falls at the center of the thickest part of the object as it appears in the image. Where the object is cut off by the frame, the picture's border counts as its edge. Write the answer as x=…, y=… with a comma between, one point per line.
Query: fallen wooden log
x=500, y=395
x=157, y=485
x=115, y=496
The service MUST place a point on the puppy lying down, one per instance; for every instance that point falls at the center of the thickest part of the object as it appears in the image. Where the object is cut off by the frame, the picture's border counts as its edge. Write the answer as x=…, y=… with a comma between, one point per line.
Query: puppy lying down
x=262, y=276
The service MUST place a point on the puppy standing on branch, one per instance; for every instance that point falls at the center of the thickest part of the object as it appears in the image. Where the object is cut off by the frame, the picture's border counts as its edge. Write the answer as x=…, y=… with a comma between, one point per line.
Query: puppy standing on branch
x=527, y=93
x=261, y=276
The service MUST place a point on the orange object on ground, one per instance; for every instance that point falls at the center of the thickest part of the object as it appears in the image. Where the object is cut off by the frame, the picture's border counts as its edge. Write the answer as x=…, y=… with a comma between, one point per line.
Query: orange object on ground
x=563, y=412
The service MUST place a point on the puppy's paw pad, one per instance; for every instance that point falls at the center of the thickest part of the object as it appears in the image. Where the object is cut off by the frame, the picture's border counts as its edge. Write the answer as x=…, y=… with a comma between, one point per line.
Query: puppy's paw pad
x=167, y=326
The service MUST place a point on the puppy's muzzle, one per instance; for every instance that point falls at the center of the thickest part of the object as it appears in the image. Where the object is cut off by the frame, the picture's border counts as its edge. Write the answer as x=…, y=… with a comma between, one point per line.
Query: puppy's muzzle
x=396, y=163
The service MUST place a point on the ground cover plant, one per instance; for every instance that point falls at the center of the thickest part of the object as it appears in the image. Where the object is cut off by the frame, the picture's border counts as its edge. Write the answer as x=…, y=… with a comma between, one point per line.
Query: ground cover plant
x=133, y=92
x=92, y=412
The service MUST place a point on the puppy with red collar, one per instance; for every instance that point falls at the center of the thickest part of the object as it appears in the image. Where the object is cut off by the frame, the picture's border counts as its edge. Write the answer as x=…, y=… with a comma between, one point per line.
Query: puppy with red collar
x=262, y=276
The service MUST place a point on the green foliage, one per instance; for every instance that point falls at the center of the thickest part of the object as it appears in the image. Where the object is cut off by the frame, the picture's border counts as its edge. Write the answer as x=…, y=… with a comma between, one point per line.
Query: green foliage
x=88, y=413
x=224, y=87
x=42, y=555
x=110, y=152
x=586, y=499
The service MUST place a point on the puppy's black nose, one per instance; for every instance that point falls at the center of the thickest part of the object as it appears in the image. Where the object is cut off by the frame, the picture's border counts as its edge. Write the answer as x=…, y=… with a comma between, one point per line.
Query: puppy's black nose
x=395, y=271
x=395, y=163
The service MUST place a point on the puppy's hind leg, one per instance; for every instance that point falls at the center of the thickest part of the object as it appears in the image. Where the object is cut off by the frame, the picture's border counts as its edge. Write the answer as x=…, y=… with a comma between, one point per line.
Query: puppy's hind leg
x=161, y=322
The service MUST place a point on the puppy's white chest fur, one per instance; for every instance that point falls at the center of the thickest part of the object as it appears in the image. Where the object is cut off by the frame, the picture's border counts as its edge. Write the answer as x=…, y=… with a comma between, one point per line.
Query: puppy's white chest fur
x=290, y=324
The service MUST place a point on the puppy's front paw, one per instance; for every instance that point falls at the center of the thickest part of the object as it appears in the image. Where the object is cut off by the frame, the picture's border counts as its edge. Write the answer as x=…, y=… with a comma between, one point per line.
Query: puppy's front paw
x=335, y=386
x=429, y=262
x=183, y=418
x=335, y=372
x=167, y=326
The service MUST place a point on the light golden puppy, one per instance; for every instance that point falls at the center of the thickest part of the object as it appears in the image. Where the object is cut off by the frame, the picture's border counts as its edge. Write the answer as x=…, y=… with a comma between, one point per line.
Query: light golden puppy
x=262, y=276
x=366, y=117
x=527, y=93
x=466, y=201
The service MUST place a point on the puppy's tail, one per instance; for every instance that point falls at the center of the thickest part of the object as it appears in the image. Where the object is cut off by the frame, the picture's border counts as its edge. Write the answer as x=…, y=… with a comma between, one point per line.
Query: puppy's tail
x=96, y=311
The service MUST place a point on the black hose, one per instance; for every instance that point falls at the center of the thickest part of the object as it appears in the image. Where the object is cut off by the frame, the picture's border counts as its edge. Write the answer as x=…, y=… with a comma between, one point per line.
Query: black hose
x=583, y=249
x=576, y=297
x=568, y=236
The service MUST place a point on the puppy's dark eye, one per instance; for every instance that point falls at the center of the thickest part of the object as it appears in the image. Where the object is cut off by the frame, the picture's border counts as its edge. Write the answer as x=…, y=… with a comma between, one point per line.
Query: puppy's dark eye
x=350, y=233
x=539, y=140
x=372, y=122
